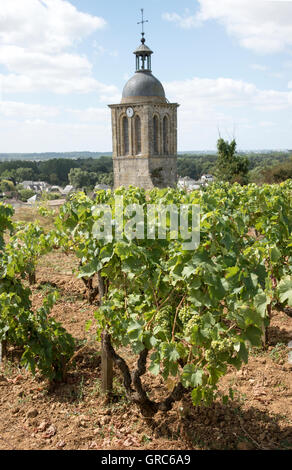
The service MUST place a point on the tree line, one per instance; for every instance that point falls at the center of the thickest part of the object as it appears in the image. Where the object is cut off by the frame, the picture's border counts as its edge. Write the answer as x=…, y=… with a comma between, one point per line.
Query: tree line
x=230, y=165
x=56, y=171
x=226, y=165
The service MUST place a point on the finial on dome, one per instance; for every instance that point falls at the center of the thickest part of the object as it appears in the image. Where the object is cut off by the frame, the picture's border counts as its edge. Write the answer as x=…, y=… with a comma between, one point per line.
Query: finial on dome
x=143, y=53
x=142, y=23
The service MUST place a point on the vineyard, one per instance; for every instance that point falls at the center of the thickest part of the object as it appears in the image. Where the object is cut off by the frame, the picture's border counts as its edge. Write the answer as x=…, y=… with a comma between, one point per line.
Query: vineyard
x=117, y=341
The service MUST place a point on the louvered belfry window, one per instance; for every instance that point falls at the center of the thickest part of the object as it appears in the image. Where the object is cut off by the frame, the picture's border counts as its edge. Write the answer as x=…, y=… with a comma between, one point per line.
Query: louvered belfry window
x=155, y=134
x=165, y=135
x=138, y=134
x=126, y=135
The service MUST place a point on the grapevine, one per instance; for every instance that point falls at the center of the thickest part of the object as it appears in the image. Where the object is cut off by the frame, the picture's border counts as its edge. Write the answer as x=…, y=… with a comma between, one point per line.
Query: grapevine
x=194, y=312
x=185, y=314
x=44, y=344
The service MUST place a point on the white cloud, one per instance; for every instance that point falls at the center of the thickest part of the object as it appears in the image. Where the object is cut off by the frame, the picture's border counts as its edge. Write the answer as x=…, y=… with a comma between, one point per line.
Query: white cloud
x=209, y=105
x=37, y=128
x=35, y=41
x=186, y=21
x=226, y=92
x=233, y=107
x=19, y=110
x=276, y=74
x=14, y=83
x=50, y=25
x=23, y=61
x=100, y=50
x=267, y=124
x=92, y=115
x=264, y=26
x=265, y=68
x=261, y=68
x=35, y=135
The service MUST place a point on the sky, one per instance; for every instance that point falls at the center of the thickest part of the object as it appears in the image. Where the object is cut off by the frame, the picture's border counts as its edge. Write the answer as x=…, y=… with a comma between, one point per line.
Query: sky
x=228, y=63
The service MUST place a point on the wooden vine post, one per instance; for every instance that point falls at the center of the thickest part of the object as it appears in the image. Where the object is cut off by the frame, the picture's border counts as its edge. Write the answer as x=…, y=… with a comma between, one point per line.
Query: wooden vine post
x=3, y=352
x=106, y=368
x=264, y=329
x=106, y=361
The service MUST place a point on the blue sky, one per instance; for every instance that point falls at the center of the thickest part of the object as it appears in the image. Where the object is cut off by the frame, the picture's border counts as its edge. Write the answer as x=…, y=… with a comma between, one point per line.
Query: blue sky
x=228, y=63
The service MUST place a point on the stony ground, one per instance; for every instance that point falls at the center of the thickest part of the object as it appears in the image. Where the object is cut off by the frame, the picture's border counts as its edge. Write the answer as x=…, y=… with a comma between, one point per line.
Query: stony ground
x=75, y=415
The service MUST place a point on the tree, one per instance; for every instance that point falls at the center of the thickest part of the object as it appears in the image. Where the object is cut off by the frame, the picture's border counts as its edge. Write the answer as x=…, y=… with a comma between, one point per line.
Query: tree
x=106, y=178
x=80, y=178
x=25, y=194
x=230, y=167
x=54, y=179
x=278, y=172
x=6, y=185
x=9, y=175
x=24, y=174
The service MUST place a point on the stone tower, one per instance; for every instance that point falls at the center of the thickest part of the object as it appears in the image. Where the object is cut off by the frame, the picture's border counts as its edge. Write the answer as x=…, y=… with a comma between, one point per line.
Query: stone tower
x=144, y=130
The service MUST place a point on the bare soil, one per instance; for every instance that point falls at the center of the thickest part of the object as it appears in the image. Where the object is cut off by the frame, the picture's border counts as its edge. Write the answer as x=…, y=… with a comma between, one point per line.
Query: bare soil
x=75, y=415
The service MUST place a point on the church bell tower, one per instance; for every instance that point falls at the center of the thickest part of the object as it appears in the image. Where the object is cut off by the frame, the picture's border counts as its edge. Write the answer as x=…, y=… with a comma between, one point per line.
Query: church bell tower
x=144, y=129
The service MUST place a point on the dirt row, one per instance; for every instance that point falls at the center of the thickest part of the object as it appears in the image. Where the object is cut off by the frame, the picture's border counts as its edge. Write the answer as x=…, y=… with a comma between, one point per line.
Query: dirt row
x=75, y=415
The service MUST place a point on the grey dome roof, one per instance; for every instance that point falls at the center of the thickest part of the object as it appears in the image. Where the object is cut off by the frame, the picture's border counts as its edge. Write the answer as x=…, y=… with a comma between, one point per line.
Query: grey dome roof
x=143, y=49
x=143, y=83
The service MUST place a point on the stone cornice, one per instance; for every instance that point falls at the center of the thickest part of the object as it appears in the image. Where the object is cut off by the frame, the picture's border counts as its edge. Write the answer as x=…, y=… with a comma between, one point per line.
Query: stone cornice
x=159, y=105
x=144, y=157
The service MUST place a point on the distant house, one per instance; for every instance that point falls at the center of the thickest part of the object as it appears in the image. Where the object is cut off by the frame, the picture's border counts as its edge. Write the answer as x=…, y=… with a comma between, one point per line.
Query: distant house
x=207, y=178
x=188, y=183
x=55, y=189
x=27, y=184
x=37, y=186
x=100, y=186
x=68, y=189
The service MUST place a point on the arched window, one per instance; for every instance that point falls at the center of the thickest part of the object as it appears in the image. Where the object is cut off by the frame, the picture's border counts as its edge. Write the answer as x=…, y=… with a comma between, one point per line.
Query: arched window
x=137, y=135
x=165, y=135
x=126, y=135
x=155, y=134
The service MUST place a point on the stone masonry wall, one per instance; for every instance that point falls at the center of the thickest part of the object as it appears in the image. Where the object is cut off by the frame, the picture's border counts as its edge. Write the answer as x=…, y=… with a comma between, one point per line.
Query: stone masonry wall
x=146, y=169
x=145, y=172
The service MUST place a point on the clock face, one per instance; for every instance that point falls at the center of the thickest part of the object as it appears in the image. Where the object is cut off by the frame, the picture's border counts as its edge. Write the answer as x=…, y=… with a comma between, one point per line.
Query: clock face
x=130, y=112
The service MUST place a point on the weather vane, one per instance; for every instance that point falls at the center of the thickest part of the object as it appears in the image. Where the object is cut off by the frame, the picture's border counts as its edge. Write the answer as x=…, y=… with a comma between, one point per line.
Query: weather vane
x=142, y=23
